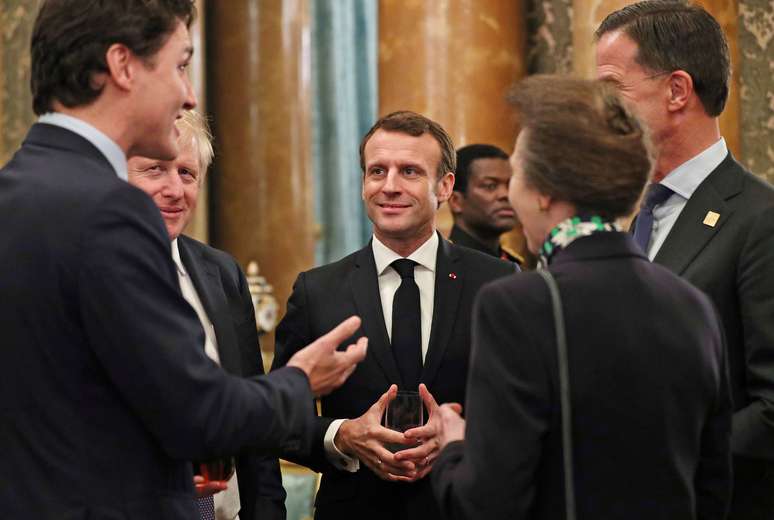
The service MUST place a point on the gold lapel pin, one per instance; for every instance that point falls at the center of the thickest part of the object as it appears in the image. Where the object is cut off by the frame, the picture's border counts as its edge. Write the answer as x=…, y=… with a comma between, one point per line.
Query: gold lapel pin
x=711, y=219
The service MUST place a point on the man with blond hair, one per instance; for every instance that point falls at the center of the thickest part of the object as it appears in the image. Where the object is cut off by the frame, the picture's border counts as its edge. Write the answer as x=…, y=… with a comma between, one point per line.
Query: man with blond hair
x=214, y=284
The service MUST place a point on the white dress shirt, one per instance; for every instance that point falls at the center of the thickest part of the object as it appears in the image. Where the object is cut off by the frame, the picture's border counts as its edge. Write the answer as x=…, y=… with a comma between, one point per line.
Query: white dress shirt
x=112, y=152
x=683, y=181
x=226, y=502
x=389, y=281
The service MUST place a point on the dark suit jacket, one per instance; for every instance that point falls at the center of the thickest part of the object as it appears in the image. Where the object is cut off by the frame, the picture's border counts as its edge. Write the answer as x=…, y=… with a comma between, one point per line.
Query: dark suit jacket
x=103, y=398
x=462, y=238
x=225, y=295
x=350, y=286
x=651, y=406
x=733, y=262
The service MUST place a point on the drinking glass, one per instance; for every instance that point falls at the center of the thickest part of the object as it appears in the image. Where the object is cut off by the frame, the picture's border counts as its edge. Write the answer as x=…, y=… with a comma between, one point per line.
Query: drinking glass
x=403, y=413
x=221, y=468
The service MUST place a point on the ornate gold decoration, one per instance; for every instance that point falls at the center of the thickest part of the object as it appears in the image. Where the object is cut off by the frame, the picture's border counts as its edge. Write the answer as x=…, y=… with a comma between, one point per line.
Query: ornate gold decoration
x=264, y=302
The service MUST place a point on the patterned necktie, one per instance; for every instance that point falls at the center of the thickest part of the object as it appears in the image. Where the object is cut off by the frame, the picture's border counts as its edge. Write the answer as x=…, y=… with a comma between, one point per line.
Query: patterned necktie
x=406, y=326
x=643, y=227
x=206, y=508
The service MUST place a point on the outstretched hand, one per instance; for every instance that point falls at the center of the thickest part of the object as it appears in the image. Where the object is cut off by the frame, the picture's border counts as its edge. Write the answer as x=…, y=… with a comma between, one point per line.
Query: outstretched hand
x=326, y=367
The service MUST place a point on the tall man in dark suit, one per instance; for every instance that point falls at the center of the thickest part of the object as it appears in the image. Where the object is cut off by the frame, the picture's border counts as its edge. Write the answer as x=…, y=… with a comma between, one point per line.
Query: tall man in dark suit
x=706, y=217
x=408, y=164
x=105, y=392
x=215, y=286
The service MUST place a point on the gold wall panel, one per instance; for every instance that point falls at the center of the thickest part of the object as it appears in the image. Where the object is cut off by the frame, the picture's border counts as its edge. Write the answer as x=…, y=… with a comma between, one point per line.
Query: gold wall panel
x=454, y=61
x=258, y=93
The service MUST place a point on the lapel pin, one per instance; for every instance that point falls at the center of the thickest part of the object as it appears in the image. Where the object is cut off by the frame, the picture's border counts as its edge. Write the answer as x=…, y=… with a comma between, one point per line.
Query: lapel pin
x=711, y=219
x=453, y=276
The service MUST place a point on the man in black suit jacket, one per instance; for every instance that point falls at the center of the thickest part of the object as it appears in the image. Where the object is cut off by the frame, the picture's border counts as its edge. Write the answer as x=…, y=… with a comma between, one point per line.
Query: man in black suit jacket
x=479, y=203
x=216, y=287
x=105, y=397
x=716, y=225
x=407, y=162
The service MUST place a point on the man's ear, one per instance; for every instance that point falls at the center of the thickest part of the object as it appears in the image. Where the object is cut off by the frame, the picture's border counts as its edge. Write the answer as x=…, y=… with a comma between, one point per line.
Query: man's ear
x=680, y=90
x=457, y=202
x=444, y=187
x=122, y=65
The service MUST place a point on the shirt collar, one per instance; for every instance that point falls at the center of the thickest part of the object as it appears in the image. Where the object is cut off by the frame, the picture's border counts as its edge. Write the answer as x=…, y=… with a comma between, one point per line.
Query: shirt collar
x=424, y=255
x=176, y=257
x=684, y=179
x=101, y=142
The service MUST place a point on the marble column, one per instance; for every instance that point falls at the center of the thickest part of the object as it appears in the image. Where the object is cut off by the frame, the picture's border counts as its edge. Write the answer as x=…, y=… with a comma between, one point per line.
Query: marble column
x=588, y=14
x=16, y=20
x=258, y=94
x=454, y=61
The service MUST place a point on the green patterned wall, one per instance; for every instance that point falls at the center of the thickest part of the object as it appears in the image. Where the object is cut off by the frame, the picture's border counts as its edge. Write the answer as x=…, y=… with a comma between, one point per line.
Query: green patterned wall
x=16, y=19
x=756, y=49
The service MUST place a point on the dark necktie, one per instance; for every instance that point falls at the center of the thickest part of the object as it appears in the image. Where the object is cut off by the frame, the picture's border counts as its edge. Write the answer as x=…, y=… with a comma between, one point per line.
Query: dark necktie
x=206, y=508
x=656, y=194
x=407, y=326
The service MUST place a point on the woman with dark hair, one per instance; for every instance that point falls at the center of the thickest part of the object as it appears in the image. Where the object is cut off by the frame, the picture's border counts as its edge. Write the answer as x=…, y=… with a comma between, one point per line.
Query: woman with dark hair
x=650, y=406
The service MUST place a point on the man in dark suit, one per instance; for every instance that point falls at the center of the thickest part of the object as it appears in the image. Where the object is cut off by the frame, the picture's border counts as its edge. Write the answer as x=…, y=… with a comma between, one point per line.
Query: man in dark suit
x=106, y=395
x=408, y=164
x=215, y=286
x=479, y=203
x=705, y=217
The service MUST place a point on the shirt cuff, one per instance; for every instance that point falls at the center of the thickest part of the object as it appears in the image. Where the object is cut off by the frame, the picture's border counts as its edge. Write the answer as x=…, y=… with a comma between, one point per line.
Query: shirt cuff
x=334, y=456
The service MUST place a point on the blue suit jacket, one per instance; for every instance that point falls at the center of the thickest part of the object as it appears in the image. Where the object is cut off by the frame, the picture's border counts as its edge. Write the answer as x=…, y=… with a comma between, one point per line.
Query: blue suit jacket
x=103, y=398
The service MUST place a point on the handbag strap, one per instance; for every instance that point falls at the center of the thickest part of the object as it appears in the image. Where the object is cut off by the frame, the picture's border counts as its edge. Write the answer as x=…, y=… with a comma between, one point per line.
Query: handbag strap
x=564, y=392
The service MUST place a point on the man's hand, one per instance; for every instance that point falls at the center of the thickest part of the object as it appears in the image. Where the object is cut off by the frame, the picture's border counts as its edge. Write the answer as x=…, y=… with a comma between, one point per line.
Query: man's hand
x=205, y=489
x=365, y=438
x=327, y=368
x=428, y=436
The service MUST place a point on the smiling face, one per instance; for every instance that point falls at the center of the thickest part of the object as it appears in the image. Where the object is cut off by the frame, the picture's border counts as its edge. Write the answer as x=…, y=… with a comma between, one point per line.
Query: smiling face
x=401, y=189
x=645, y=90
x=173, y=185
x=163, y=92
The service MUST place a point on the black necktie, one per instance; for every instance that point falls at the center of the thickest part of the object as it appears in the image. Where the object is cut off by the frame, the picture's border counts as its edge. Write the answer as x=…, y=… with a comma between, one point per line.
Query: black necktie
x=656, y=194
x=407, y=326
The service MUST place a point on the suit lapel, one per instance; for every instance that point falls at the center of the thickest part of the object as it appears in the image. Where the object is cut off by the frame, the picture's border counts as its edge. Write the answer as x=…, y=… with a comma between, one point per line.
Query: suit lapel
x=448, y=289
x=690, y=235
x=365, y=290
x=206, y=279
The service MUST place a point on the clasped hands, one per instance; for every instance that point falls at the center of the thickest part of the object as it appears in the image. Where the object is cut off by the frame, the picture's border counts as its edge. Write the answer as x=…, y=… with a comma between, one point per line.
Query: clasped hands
x=366, y=438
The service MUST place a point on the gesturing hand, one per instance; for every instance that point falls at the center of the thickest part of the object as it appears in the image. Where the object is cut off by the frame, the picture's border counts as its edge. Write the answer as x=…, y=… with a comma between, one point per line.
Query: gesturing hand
x=327, y=368
x=365, y=438
x=429, y=436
